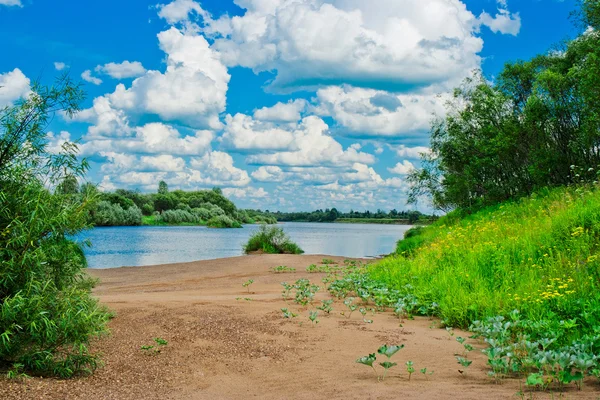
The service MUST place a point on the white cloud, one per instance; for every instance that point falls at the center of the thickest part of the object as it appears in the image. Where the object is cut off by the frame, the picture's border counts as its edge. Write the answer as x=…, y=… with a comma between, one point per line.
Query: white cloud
x=268, y=173
x=191, y=91
x=59, y=66
x=152, y=138
x=13, y=86
x=11, y=3
x=123, y=70
x=56, y=141
x=411, y=152
x=244, y=133
x=368, y=112
x=403, y=168
x=311, y=146
x=314, y=42
x=105, y=119
x=124, y=163
x=87, y=76
x=249, y=192
x=282, y=112
x=504, y=21
x=179, y=10
x=216, y=168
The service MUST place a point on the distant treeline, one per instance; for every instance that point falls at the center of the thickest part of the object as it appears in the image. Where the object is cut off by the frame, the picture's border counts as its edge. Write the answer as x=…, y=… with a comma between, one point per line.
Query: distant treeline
x=130, y=208
x=333, y=215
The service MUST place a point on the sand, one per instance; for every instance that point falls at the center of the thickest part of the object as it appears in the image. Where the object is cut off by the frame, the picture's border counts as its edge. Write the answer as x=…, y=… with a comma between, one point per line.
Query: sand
x=223, y=348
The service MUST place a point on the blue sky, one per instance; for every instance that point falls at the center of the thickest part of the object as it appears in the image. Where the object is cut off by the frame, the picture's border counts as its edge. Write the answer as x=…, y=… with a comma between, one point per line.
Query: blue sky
x=285, y=104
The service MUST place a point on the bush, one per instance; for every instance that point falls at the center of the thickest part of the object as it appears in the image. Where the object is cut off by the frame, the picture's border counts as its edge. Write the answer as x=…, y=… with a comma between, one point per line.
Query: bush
x=177, y=217
x=47, y=314
x=271, y=240
x=107, y=214
x=202, y=213
x=147, y=209
x=223, y=221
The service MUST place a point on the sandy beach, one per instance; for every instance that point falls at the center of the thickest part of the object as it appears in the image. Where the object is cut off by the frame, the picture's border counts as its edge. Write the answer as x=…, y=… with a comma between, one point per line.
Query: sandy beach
x=230, y=342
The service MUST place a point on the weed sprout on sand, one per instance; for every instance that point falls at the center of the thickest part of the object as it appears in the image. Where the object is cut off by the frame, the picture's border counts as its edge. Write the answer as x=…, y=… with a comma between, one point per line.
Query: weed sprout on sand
x=247, y=284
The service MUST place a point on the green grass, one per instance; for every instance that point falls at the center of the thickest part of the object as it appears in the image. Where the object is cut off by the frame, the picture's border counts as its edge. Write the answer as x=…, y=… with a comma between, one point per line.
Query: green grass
x=538, y=255
x=384, y=221
x=150, y=220
x=271, y=240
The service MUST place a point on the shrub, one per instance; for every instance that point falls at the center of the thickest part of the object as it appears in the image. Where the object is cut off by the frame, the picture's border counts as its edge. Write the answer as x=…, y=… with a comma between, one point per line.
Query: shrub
x=47, y=315
x=202, y=213
x=147, y=209
x=271, y=240
x=223, y=221
x=107, y=214
x=177, y=217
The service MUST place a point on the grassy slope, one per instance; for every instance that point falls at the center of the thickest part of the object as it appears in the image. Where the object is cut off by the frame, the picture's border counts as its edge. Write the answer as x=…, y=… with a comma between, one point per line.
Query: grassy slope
x=538, y=255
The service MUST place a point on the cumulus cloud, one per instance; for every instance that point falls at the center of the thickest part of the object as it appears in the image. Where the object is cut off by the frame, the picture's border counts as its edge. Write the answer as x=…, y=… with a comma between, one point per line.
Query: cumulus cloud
x=368, y=112
x=311, y=146
x=11, y=3
x=152, y=138
x=504, y=21
x=13, y=86
x=179, y=10
x=411, y=152
x=307, y=43
x=216, y=168
x=402, y=168
x=192, y=90
x=123, y=70
x=243, y=193
x=125, y=163
x=88, y=77
x=282, y=112
x=59, y=66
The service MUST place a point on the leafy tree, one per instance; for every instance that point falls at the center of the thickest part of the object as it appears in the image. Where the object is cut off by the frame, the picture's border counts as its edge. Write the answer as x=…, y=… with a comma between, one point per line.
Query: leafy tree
x=69, y=185
x=537, y=126
x=47, y=314
x=163, y=188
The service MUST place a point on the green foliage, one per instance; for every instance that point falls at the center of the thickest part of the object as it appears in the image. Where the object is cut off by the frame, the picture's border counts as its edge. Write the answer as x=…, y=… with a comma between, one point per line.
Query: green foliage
x=520, y=134
x=47, y=315
x=271, y=240
x=282, y=269
x=223, y=221
x=174, y=217
x=108, y=214
x=386, y=350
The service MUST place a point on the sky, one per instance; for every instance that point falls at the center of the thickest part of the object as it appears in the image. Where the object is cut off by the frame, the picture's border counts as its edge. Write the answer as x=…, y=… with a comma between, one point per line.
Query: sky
x=284, y=104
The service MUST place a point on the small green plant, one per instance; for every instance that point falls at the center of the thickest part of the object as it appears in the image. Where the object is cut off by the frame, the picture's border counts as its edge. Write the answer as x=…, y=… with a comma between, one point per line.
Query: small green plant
x=154, y=349
x=312, y=268
x=16, y=372
x=288, y=314
x=363, y=312
x=425, y=373
x=247, y=284
x=328, y=261
x=389, y=351
x=349, y=302
x=282, y=269
x=313, y=316
x=387, y=365
x=305, y=291
x=369, y=361
x=326, y=306
x=410, y=368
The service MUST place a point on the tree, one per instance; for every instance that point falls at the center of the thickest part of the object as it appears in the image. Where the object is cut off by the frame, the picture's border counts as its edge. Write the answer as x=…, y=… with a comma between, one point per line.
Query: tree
x=537, y=126
x=47, y=314
x=163, y=188
x=69, y=185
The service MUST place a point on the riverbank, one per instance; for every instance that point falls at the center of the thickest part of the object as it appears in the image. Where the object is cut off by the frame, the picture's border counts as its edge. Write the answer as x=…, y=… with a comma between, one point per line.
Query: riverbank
x=226, y=341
